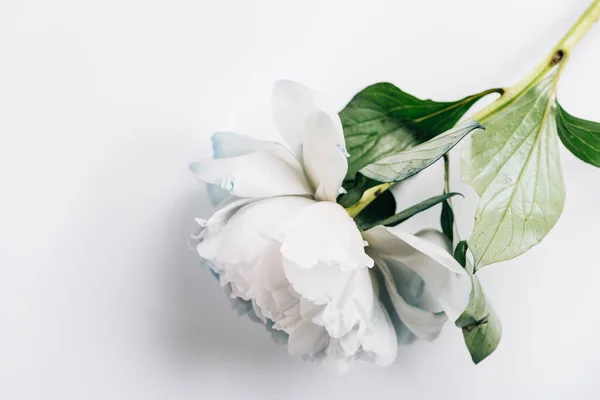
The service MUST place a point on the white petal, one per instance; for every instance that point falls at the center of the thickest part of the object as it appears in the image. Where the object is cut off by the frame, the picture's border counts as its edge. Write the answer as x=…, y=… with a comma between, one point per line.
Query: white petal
x=351, y=341
x=274, y=294
x=323, y=232
x=379, y=343
x=337, y=360
x=443, y=275
x=307, y=339
x=324, y=157
x=424, y=324
x=345, y=297
x=311, y=311
x=243, y=236
x=237, y=239
x=290, y=320
x=294, y=105
x=325, y=262
x=229, y=144
x=322, y=283
x=254, y=175
x=258, y=312
x=217, y=195
x=215, y=224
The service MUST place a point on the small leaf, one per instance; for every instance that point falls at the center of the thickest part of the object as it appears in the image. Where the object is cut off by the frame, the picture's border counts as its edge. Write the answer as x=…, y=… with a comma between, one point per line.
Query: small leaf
x=357, y=188
x=409, y=162
x=580, y=136
x=515, y=168
x=460, y=253
x=447, y=220
x=382, y=120
x=409, y=212
x=381, y=208
x=481, y=326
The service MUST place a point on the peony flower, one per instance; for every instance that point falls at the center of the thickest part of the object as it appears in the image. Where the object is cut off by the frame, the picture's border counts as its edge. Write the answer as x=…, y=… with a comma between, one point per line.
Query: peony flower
x=283, y=248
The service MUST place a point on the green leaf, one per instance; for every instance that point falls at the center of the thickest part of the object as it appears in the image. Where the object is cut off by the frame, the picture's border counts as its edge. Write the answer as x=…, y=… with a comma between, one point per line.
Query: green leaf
x=409, y=162
x=408, y=213
x=481, y=326
x=447, y=220
x=460, y=253
x=357, y=188
x=382, y=120
x=381, y=208
x=580, y=136
x=515, y=168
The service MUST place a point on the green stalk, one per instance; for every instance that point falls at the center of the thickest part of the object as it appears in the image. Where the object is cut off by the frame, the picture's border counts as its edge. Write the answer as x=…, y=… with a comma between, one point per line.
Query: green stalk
x=559, y=54
x=447, y=173
x=580, y=28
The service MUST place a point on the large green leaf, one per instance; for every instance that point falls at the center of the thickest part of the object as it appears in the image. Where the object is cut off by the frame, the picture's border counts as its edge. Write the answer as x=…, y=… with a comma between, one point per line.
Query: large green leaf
x=580, y=136
x=382, y=120
x=408, y=162
x=515, y=168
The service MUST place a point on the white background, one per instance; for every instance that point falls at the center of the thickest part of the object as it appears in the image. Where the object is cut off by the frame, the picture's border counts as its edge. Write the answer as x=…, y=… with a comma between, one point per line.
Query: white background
x=104, y=103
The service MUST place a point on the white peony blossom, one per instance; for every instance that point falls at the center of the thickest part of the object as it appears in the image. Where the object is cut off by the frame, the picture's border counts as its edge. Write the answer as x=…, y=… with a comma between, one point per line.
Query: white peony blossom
x=281, y=244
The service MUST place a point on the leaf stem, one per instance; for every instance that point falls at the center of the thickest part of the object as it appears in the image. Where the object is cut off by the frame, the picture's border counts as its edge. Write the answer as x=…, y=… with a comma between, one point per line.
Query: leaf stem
x=455, y=232
x=580, y=28
x=559, y=54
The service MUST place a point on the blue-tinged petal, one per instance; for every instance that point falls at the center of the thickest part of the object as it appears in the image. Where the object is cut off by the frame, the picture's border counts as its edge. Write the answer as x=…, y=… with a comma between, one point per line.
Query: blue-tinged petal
x=412, y=287
x=427, y=255
x=229, y=144
x=270, y=162
x=424, y=324
x=254, y=175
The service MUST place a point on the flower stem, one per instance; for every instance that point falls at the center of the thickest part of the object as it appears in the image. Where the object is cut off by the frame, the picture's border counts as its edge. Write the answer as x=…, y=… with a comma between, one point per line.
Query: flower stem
x=447, y=173
x=580, y=28
x=455, y=232
x=559, y=54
